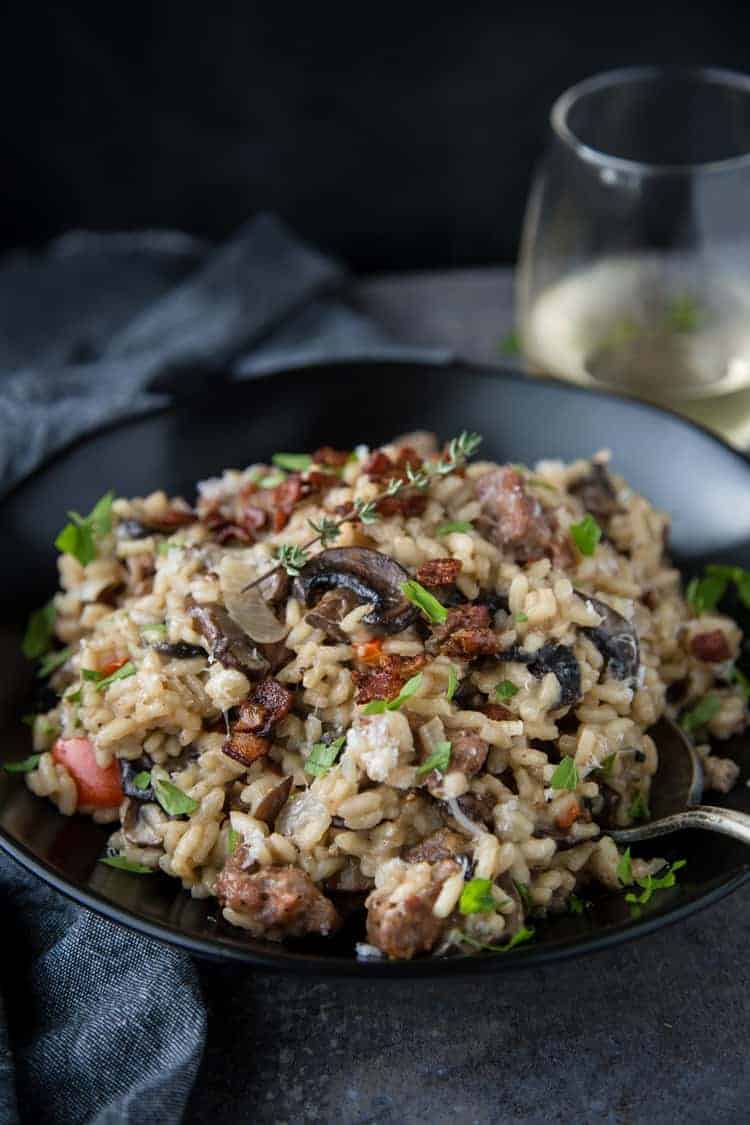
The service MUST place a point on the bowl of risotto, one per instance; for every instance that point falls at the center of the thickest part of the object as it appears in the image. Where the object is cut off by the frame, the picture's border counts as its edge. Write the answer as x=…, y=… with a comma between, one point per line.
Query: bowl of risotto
x=369, y=699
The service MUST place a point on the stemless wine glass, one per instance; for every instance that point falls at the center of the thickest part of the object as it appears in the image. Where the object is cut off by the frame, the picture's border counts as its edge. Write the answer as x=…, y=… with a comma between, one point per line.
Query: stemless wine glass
x=635, y=256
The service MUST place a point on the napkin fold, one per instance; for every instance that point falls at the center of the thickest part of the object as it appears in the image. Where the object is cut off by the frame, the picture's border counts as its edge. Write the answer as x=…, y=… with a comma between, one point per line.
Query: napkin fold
x=98, y=1024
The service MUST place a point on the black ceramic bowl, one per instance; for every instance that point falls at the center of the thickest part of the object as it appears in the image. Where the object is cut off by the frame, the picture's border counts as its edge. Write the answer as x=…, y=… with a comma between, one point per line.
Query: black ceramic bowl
x=702, y=482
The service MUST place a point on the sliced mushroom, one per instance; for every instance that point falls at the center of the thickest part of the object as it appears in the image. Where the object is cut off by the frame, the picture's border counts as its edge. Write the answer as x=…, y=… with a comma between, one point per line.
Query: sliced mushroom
x=369, y=575
x=141, y=822
x=558, y=659
x=616, y=640
x=330, y=610
x=227, y=642
x=179, y=651
x=273, y=801
x=596, y=492
x=247, y=606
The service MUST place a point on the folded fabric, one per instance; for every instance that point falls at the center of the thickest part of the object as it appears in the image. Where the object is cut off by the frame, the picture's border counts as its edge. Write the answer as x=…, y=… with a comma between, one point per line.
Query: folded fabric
x=96, y=1023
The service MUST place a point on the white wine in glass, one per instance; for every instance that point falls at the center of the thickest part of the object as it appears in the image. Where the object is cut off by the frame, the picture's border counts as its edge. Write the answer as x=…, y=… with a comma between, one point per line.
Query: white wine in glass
x=635, y=261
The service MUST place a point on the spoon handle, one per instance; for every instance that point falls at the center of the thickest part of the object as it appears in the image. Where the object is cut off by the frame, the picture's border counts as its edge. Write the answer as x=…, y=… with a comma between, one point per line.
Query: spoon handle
x=728, y=822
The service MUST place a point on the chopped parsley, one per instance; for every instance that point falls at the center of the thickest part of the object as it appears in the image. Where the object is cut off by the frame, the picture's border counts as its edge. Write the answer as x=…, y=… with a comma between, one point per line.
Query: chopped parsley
x=476, y=897
x=506, y=689
x=518, y=938
x=39, y=633
x=586, y=535
x=142, y=780
x=701, y=714
x=438, y=760
x=415, y=593
x=625, y=868
x=322, y=756
x=378, y=706
x=24, y=766
x=565, y=776
x=123, y=673
x=521, y=617
x=651, y=883
x=233, y=839
x=52, y=661
x=292, y=462
x=124, y=864
x=173, y=800
x=608, y=764
x=272, y=479
x=524, y=892
x=78, y=538
x=153, y=634
x=578, y=905
x=704, y=594
x=454, y=525
x=638, y=808
x=452, y=683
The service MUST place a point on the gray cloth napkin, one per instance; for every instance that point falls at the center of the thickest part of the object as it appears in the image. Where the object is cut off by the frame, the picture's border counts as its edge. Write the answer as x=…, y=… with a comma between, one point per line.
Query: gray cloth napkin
x=96, y=1023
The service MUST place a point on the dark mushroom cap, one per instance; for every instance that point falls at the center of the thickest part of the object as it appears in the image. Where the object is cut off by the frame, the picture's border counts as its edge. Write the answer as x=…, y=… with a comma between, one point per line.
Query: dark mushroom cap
x=370, y=575
x=616, y=640
x=558, y=659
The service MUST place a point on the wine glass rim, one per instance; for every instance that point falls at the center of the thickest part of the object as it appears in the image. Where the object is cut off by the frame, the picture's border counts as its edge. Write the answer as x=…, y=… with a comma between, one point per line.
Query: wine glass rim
x=730, y=79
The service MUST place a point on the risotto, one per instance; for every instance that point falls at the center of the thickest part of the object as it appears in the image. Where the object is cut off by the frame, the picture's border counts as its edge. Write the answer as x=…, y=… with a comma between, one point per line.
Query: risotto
x=403, y=679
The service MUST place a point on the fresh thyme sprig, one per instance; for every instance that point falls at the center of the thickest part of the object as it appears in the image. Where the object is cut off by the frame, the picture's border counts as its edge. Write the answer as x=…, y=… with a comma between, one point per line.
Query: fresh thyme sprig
x=292, y=558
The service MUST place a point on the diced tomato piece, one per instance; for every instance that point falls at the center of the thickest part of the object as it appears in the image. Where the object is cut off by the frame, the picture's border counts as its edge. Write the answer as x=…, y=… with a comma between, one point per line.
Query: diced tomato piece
x=113, y=666
x=96, y=786
x=371, y=652
x=569, y=815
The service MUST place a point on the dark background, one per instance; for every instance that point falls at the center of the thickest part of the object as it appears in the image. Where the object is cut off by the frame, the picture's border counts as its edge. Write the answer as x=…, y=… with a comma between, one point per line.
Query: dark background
x=398, y=137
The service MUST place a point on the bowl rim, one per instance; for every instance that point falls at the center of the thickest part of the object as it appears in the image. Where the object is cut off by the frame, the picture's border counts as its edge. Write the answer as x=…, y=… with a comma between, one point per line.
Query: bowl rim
x=315, y=964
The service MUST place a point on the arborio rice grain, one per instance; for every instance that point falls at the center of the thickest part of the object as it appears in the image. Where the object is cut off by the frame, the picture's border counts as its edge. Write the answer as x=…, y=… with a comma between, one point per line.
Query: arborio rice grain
x=451, y=758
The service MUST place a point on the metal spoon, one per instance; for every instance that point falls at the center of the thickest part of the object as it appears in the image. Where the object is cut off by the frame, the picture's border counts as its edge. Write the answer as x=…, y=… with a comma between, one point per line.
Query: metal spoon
x=676, y=793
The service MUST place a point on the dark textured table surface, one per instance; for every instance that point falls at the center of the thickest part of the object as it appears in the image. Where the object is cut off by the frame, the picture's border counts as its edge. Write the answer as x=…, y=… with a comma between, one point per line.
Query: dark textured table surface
x=648, y=1033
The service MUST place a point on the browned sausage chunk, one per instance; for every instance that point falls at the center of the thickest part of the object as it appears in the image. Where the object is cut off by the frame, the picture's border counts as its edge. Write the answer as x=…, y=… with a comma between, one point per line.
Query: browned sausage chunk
x=711, y=647
x=468, y=753
x=403, y=927
x=517, y=519
x=278, y=902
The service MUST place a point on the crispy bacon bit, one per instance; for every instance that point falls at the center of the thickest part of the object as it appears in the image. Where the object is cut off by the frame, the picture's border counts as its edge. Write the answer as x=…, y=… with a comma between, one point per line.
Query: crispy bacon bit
x=387, y=678
x=712, y=648
x=266, y=705
x=371, y=652
x=496, y=711
x=467, y=632
x=517, y=520
x=332, y=458
x=569, y=815
x=174, y=517
x=439, y=572
x=285, y=496
x=245, y=747
x=406, y=503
